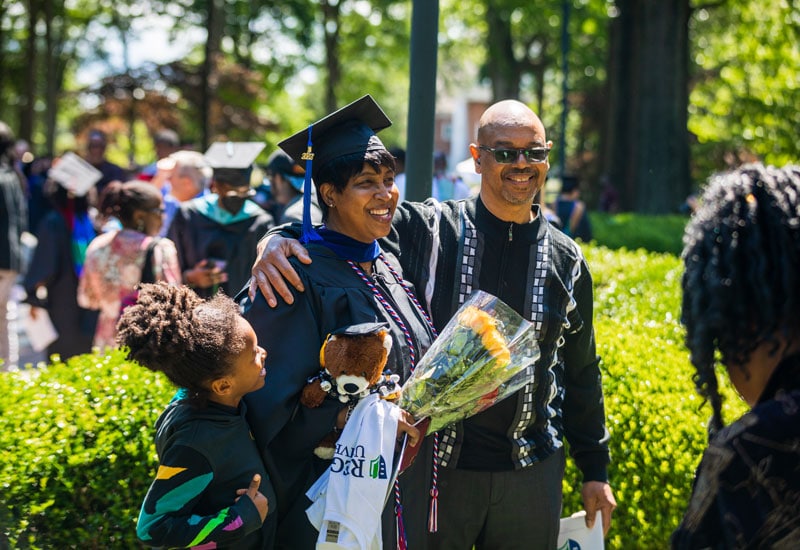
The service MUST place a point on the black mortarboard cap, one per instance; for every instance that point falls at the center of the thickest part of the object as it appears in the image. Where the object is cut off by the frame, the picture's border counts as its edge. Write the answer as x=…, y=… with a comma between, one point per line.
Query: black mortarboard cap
x=349, y=130
x=233, y=161
x=361, y=329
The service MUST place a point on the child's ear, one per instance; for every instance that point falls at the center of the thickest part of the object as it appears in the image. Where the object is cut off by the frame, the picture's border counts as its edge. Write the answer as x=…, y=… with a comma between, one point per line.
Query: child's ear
x=221, y=386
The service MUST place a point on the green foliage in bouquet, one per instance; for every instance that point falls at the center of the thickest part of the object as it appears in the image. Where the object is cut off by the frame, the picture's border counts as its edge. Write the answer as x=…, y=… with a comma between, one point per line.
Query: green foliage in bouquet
x=76, y=451
x=472, y=364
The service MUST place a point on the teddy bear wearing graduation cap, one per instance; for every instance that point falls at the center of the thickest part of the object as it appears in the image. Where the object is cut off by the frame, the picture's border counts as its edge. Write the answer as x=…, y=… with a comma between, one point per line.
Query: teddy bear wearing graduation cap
x=352, y=361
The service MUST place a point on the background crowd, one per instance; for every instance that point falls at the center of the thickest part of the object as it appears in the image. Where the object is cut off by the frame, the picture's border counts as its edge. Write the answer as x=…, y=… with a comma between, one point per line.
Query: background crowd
x=42, y=209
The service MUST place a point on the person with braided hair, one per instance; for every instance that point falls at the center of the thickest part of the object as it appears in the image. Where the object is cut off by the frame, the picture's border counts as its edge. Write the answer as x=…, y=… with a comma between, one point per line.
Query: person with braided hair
x=118, y=260
x=741, y=295
x=212, y=488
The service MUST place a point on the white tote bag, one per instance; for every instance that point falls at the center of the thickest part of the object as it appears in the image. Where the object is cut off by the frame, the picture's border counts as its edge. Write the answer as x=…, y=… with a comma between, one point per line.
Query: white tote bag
x=574, y=535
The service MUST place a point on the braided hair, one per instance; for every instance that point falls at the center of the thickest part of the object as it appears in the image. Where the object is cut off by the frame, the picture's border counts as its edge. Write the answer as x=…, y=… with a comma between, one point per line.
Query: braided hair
x=191, y=340
x=742, y=266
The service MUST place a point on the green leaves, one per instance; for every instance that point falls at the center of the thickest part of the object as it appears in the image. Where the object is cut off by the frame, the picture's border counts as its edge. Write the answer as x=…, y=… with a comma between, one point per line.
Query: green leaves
x=76, y=451
x=656, y=420
x=747, y=87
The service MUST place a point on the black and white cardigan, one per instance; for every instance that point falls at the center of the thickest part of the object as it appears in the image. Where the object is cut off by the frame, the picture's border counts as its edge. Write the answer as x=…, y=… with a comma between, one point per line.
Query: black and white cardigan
x=440, y=247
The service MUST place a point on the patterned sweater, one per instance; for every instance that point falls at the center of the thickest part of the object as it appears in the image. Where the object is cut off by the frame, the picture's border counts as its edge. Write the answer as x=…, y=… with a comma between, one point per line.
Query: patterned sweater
x=206, y=454
x=449, y=249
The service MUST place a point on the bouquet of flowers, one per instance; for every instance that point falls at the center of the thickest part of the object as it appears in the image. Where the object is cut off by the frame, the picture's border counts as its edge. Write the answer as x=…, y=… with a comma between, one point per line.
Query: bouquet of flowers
x=484, y=354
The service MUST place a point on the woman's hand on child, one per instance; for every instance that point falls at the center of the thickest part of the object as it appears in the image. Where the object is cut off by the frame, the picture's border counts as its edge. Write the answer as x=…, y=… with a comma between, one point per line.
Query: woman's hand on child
x=405, y=425
x=255, y=495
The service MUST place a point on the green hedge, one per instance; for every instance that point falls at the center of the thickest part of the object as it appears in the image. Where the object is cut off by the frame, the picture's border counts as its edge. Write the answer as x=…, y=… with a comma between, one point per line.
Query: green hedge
x=634, y=231
x=76, y=452
x=654, y=416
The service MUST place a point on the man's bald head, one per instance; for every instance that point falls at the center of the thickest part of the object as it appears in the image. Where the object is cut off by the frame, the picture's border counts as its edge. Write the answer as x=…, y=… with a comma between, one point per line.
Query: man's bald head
x=508, y=132
x=507, y=113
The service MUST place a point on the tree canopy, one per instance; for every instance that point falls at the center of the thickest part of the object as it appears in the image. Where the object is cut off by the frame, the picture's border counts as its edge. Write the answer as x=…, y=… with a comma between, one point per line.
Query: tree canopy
x=658, y=97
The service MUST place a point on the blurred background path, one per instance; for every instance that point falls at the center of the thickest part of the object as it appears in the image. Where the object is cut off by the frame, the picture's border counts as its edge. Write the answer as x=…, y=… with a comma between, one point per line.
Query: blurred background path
x=26, y=355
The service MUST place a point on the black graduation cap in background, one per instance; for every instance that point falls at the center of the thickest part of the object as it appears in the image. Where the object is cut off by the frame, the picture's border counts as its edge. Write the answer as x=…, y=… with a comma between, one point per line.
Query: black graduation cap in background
x=232, y=161
x=349, y=130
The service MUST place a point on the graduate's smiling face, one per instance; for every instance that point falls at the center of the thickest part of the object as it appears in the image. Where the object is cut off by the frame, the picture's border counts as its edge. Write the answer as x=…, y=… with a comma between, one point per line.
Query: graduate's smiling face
x=363, y=210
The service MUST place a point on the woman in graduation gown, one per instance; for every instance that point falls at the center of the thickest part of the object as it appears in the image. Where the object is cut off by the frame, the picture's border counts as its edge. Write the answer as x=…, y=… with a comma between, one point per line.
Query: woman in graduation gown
x=51, y=282
x=350, y=281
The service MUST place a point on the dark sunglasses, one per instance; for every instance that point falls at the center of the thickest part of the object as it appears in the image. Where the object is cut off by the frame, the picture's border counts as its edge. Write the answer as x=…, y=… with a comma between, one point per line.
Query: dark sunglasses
x=507, y=156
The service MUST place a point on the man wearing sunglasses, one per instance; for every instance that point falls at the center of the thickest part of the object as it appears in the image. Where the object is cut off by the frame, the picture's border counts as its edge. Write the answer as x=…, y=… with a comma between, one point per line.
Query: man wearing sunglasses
x=500, y=471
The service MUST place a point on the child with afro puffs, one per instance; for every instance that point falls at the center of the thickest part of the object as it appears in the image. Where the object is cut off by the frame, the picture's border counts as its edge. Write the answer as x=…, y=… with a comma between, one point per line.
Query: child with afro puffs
x=211, y=489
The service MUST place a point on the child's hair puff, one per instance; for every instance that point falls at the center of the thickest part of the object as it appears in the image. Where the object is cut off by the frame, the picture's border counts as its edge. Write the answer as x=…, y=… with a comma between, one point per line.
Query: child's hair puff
x=191, y=340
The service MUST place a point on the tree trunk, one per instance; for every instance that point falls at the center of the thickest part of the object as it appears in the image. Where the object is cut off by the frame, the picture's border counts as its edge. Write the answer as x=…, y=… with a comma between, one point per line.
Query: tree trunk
x=647, y=141
x=27, y=112
x=52, y=82
x=501, y=67
x=330, y=22
x=3, y=67
x=214, y=28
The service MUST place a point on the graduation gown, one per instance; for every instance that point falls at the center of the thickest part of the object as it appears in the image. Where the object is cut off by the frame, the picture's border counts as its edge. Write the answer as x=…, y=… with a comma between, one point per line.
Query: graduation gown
x=52, y=265
x=335, y=296
x=199, y=236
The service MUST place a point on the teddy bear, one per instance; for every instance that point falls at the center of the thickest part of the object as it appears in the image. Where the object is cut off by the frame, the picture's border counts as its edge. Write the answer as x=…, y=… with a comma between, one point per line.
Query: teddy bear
x=352, y=361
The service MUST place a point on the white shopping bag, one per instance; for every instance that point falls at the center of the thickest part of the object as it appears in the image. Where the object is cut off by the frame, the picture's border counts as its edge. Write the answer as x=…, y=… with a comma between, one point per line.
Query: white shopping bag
x=41, y=332
x=574, y=535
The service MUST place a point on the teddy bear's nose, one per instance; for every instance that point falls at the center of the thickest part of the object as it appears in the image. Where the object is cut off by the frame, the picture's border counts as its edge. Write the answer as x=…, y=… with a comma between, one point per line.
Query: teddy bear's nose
x=350, y=387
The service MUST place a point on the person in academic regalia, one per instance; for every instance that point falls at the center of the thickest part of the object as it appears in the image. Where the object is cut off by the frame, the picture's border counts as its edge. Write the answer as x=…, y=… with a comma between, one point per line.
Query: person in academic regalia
x=351, y=281
x=216, y=234
x=51, y=282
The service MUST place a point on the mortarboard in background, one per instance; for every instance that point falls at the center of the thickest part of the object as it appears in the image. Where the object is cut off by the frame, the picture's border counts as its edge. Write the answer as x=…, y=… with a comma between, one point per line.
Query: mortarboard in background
x=232, y=161
x=350, y=130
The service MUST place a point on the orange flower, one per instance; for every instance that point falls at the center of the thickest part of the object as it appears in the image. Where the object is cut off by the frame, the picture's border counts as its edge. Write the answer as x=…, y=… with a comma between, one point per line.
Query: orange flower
x=492, y=341
x=477, y=320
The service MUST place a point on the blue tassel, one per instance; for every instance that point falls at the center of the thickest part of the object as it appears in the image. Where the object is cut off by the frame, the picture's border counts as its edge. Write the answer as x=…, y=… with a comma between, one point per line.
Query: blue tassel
x=309, y=234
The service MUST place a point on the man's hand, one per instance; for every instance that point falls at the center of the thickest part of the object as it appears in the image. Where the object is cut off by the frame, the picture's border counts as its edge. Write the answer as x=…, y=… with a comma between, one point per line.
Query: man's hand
x=596, y=496
x=272, y=269
x=258, y=499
